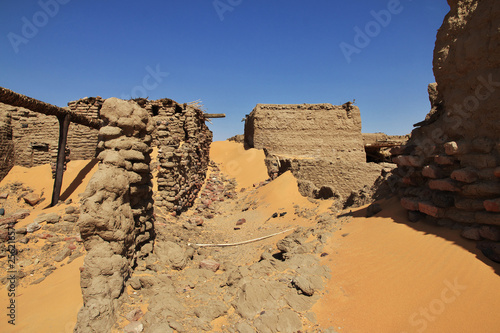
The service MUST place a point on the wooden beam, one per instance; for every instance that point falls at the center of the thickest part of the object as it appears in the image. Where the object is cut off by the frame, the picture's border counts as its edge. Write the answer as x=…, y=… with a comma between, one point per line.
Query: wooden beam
x=64, y=122
x=12, y=98
x=214, y=115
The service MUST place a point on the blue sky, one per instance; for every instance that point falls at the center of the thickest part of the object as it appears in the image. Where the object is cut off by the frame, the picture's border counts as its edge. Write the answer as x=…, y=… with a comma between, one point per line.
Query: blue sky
x=231, y=54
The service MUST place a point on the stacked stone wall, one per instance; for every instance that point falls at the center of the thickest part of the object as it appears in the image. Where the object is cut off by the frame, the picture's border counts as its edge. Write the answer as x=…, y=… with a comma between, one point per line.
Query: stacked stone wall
x=6, y=144
x=183, y=141
x=449, y=170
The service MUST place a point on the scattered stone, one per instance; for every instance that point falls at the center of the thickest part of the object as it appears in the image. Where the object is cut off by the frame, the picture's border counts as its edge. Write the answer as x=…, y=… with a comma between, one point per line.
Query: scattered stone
x=37, y=281
x=49, y=218
x=275, y=215
x=414, y=216
x=210, y=265
x=24, y=240
x=283, y=214
x=70, y=210
x=304, y=285
x=4, y=195
x=63, y=254
x=21, y=231
x=241, y=221
x=2, y=211
x=171, y=253
x=133, y=327
x=32, y=227
x=32, y=199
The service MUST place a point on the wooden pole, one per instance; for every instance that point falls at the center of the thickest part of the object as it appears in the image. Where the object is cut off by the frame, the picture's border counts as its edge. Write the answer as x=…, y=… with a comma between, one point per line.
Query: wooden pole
x=64, y=121
x=214, y=115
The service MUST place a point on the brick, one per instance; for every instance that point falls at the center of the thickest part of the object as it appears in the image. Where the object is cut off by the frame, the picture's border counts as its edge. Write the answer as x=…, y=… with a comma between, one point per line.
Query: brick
x=478, y=161
x=431, y=171
x=444, y=185
x=416, y=161
x=444, y=160
x=492, y=205
x=471, y=233
x=467, y=175
x=409, y=204
x=469, y=204
x=431, y=210
x=481, y=189
x=490, y=233
x=487, y=218
x=460, y=215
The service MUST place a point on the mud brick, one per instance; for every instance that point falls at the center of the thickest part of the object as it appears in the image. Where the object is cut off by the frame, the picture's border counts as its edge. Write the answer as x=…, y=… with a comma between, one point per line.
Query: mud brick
x=429, y=209
x=478, y=161
x=481, y=189
x=492, y=205
x=444, y=185
x=444, y=160
x=409, y=204
x=467, y=175
x=488, y=218
x=431, y=171
x=460, y=215
x=469, y=204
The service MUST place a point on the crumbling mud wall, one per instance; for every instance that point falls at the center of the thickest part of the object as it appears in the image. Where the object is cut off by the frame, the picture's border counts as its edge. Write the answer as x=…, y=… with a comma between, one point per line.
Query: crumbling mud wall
x=183, y=141
x=321, y=144
x=116, y=221
x=449, y=170
x=35, y=136
x=6, y=144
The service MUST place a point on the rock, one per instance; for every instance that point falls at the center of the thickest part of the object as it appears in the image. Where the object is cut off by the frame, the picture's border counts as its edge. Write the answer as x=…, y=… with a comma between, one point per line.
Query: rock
x=304, y=285
x=49, y=218
x=70, y=210
x=63, y=254
x=289, y=322
x=32, y=199
x=32, y=227
x=210, y=265
x=490, y=249
x=37, y=281
x=414, y=216
x=2, y=211
x=133, y=327
x=373, y=209
x=4, y=235
x=490, y=233
x=4, y=195
x=244, y=327
x=134, y=315
x=241, y=221
x=471, y=233
x=21, y=231
x=70, y=218
x=135, y=283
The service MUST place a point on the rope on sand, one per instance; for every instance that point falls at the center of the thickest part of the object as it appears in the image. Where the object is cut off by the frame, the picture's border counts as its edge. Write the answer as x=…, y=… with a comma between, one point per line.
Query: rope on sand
x=244, y=242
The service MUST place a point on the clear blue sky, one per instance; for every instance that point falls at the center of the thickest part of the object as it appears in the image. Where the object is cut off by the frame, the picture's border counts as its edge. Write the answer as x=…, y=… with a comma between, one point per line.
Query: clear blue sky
x=231, y=57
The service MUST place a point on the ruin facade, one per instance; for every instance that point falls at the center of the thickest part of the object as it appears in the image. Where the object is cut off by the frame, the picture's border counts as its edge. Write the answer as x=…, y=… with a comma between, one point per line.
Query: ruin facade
x=449, y=170
x=321, y=144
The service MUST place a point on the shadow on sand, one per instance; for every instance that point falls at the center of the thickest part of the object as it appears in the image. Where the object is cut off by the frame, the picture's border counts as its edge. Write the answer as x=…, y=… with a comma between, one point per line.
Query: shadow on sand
x=398, y=215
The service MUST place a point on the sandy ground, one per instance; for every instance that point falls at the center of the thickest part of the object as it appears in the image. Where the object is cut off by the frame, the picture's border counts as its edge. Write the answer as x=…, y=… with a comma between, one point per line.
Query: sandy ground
x=388, y=275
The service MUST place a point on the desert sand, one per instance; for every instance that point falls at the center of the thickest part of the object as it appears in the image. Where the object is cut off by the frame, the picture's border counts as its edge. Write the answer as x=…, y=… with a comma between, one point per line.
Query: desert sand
x=388, y=275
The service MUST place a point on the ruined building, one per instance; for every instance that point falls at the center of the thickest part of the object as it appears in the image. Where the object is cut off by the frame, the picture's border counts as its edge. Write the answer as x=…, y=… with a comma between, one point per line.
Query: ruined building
x=321, y=144
x=450, y=169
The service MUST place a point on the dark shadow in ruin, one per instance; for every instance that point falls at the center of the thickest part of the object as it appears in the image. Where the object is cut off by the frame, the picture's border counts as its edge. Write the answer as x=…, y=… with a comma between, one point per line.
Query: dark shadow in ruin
x=78, y=179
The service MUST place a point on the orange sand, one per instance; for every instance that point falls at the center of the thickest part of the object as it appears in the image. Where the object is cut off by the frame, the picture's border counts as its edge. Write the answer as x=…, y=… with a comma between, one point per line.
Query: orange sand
x=53, y=304
x=247, y=166
x=390, y=275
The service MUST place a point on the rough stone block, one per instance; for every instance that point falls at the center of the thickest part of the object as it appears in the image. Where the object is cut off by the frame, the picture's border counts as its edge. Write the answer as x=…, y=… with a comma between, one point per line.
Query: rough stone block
x=444, y=185
x=482, y=189
x=492, y=205
x=460, y=215
x=490, y=233
x=487, y=218
x=431, y=210
x=431, y=171
x=478, y=161
x=444, y=160
x=467, y=175
x=469, y=204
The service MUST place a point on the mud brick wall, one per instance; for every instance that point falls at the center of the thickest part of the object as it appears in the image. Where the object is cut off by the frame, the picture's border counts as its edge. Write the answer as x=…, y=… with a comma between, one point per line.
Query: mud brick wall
x=450, y=168
x=116, y=221
x=6, y=144
x=321, y=144
x=82, y=140
x=183, y=141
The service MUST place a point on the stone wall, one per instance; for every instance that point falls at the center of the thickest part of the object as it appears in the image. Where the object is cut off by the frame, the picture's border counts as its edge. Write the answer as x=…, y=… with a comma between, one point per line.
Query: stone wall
x=116, y=221
x=321, y=144
x=6, y=144
x=449, y=170
x=183, y=141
